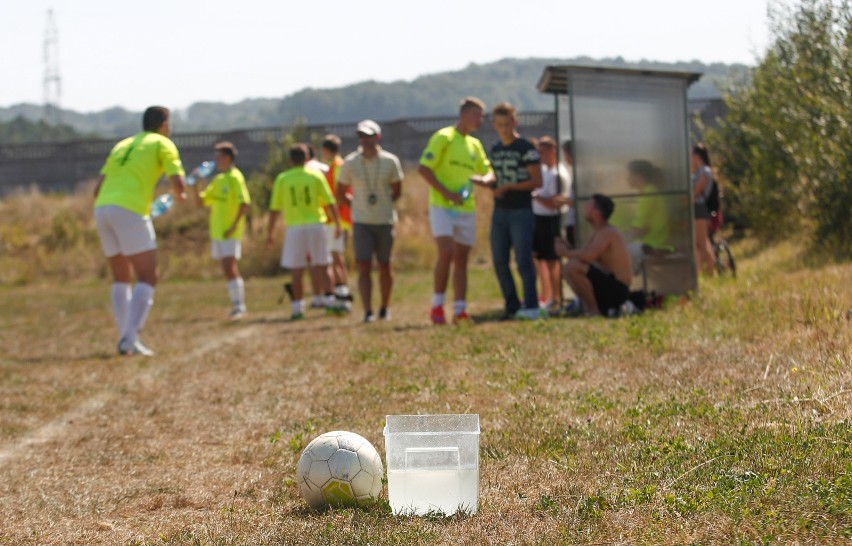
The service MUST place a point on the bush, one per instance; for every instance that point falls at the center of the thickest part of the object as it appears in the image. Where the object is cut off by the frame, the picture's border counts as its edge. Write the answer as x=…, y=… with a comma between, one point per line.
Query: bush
x=784, y=147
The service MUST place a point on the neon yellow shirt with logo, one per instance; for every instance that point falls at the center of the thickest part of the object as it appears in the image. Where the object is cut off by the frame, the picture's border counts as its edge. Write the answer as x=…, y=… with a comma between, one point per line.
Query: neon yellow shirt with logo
x=301, y=195
x=454, y=158
x=652, y=215
x=133, y=168
x=225, y=194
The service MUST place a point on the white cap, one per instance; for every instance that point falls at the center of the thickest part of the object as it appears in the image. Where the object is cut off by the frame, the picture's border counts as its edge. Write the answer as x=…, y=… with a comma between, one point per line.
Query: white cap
x=369, y=127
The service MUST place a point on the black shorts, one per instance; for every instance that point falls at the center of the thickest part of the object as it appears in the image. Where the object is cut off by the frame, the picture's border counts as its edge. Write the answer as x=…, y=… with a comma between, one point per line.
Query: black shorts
x=610, y=292
x=701, y=211
x=546, y=230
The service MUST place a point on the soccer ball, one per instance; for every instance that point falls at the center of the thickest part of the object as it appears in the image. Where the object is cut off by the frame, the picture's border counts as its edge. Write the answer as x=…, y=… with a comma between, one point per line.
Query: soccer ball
x=339, y=469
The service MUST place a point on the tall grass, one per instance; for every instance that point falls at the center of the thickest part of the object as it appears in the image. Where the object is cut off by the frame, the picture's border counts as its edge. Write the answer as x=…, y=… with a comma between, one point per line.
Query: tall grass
x=46, y=237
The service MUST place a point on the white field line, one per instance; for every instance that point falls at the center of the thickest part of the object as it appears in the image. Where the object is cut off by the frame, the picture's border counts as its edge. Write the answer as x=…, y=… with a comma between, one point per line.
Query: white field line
x=59, y=426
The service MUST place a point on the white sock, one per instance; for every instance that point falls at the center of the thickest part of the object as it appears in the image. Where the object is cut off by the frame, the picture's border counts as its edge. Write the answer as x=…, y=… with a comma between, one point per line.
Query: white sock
x=140, y=305
x=237, y=293
x=459, y=307
x=317, y=300
x=438, y=299
x=120, y=296
x=297, y=307
x=341, y=290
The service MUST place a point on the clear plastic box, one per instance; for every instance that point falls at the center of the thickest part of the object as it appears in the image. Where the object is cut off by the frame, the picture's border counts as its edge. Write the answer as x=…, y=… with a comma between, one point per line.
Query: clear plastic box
x=433, y=463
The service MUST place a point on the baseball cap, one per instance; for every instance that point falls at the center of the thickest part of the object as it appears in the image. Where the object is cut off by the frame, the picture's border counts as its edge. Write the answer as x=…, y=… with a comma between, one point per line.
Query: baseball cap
x=369, y=127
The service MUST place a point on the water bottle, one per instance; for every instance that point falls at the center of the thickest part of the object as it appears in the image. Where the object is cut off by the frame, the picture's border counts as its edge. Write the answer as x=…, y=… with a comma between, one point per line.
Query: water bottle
x=162, y=204
x=465, y=191
x=202, y=171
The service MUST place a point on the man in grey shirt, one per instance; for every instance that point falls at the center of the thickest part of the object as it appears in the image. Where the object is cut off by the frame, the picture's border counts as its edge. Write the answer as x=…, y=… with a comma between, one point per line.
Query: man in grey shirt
x=375, y=178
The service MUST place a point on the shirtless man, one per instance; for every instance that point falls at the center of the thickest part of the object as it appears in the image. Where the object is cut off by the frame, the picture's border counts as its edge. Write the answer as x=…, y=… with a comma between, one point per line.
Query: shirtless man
x=600, y=273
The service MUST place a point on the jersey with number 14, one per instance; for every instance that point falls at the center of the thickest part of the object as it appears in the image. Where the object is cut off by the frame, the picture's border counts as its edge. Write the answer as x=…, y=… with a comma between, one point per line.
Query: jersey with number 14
x=301, y=195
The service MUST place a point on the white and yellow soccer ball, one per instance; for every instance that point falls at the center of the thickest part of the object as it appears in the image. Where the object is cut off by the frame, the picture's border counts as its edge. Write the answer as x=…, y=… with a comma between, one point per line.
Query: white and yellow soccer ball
x=339, y=468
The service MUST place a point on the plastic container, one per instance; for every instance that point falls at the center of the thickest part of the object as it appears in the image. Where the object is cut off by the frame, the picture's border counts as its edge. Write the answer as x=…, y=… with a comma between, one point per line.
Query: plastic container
x=162, y=204
x=433, y=463
x=202, y=171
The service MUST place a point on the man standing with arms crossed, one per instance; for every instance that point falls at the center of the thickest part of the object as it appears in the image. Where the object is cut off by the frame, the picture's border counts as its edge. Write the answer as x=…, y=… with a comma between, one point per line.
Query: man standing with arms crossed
x=228, y=199
x=371, y=181
x=123, y=197
x=451, y=158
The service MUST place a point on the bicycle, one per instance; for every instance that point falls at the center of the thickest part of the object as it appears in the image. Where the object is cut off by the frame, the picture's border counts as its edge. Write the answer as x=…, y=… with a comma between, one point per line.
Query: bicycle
x=722, y=255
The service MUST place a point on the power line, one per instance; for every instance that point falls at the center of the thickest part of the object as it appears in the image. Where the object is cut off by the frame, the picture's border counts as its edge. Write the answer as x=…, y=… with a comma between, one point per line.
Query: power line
x=52, y=79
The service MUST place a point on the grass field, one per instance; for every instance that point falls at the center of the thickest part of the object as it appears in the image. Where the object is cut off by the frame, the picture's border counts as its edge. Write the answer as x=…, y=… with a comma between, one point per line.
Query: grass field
x=724, y=420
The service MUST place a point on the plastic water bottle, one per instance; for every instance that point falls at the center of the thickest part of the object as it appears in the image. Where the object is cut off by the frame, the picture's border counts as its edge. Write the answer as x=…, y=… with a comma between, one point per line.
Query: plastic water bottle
x=465, y=191
x=162, y=204
x=202, y=171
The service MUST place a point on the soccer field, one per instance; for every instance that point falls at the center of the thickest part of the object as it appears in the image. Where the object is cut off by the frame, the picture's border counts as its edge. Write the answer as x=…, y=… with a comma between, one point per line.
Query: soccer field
x=724, y=420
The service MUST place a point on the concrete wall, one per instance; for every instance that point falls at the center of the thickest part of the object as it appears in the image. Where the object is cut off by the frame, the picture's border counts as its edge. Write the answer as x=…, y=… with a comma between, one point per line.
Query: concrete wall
x=64, y=167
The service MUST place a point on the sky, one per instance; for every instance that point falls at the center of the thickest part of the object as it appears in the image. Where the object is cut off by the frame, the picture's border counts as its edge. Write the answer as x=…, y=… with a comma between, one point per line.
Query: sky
x=177, y=52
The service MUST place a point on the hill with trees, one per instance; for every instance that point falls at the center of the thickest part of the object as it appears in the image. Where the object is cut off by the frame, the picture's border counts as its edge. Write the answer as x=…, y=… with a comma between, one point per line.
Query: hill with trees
x=430, y=95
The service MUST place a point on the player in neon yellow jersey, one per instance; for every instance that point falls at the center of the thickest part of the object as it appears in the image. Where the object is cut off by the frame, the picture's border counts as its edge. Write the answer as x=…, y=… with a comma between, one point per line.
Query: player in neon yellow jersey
x=123, y=197
x=228, y=199
x=451, y=161
x=303, y=197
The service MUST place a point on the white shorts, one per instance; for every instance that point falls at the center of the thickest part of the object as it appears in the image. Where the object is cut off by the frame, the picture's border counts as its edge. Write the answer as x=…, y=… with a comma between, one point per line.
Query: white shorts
x=461, y=226
x=335, y=244
x=229, y=248
x=124, y=232
x=303, y=242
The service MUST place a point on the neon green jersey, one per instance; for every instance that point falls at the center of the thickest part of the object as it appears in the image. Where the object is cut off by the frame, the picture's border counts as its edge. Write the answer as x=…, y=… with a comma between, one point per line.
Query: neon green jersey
x=225, y=194
x=134, y=167
x=652, y=215
x=454, y=158
x=301, y=195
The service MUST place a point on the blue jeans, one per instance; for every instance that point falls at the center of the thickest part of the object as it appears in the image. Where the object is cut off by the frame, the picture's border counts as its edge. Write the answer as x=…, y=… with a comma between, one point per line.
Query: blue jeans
x=514, y=228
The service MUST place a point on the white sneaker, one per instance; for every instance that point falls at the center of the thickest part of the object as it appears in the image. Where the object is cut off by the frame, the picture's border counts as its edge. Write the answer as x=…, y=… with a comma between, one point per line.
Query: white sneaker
x=237, y=314
x=531, y=314
x=135, y=348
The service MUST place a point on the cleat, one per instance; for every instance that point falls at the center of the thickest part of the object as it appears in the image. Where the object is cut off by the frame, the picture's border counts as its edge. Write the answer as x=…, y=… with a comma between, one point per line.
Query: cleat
x=136, y=348
x=436, y=315
x=369, y=317
x=384, y=314
x=237, y=314
x=297, y=316
x=462, y=318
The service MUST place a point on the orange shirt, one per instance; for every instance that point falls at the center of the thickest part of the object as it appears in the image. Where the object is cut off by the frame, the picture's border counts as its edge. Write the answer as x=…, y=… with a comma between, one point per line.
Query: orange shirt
x=344, y=209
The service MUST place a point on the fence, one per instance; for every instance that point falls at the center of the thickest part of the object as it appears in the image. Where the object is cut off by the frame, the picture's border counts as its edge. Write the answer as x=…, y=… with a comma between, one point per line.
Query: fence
x=63, y=167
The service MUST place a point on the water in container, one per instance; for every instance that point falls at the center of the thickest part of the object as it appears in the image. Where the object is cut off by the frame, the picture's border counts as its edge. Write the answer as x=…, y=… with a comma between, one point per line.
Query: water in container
x=162, y=204
x=202, y=171
x=433, y=463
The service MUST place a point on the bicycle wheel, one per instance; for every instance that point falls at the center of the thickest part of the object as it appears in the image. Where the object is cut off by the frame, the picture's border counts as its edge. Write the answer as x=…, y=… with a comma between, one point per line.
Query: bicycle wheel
x=725, y=262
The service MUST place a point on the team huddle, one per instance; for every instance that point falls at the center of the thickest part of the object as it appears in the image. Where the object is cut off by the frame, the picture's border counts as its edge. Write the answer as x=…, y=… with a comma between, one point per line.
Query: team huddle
x=324, y=201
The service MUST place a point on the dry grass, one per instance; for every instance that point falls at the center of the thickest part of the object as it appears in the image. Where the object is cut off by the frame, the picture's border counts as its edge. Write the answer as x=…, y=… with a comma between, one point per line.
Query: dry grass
x=725, y=420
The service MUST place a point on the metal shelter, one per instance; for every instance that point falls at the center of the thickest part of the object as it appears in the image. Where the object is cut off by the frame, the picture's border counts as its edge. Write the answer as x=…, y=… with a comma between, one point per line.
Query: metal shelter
x=630, y=141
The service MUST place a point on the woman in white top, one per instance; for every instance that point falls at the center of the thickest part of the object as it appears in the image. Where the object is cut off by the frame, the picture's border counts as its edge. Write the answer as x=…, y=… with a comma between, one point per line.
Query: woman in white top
x=702, y=183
